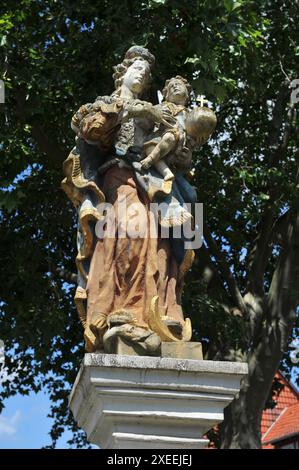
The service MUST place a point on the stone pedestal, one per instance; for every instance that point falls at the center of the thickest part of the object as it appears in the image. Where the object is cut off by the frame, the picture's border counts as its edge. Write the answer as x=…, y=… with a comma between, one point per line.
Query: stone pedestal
x=135, y=402
x=179, y=350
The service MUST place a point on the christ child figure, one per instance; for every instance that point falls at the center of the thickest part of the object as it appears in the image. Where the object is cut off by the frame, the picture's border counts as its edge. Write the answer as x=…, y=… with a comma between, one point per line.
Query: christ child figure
x=190, y=128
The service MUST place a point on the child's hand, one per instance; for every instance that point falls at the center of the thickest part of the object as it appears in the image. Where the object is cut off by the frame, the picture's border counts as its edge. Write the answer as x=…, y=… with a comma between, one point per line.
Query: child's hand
x=146, y=163
x=167, y=119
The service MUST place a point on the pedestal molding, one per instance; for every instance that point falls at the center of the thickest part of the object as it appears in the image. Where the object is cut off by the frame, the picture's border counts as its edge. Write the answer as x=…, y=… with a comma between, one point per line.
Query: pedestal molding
x=146, y=402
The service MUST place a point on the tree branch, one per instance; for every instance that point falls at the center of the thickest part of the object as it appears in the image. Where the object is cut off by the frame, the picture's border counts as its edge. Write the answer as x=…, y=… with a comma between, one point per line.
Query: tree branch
x=45, y=144
x=259, y=255
x=212, y=284
x=224, y=269
x=280, y=228
x=265, y=355
x=281, y=313
x=283, y=293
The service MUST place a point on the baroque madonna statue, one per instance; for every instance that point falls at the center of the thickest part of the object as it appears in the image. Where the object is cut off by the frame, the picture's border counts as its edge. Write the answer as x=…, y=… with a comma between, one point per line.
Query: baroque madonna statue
x=130, y=154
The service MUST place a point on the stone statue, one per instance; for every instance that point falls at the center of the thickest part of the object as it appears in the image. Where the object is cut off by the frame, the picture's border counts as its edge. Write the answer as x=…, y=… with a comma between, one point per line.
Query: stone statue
x=191, y=129
x=130, y=150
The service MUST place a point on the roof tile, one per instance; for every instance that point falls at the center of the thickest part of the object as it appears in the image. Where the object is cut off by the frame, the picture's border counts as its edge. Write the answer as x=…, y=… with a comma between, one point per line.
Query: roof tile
x=286, y=425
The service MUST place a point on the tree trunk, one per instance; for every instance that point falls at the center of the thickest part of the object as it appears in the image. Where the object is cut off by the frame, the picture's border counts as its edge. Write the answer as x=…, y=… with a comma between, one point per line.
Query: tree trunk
x=242, y=418
x=241, y=426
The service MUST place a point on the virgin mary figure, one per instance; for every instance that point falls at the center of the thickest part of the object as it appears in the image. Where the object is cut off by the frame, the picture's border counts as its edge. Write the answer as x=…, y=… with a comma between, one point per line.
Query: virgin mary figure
x=128, y=287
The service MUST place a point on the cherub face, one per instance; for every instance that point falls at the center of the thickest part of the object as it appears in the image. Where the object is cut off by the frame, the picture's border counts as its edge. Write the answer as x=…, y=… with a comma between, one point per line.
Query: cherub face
x=137, y=76
x=177, y=92
x=200, y=124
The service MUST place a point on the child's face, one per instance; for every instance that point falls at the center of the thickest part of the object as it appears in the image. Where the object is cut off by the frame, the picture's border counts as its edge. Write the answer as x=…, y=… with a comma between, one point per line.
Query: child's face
x=177, y=92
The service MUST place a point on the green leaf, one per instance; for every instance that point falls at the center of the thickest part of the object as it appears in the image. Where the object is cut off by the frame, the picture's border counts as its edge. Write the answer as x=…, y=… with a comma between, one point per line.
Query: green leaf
x=33, y=54
x=229, y=4
x=237, y=5
x=192, y=60
x=264, y=197
x=156, y=3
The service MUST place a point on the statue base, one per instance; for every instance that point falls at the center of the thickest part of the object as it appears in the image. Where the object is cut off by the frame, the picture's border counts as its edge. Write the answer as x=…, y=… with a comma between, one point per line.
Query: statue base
x=142, y=402
x=179, y=350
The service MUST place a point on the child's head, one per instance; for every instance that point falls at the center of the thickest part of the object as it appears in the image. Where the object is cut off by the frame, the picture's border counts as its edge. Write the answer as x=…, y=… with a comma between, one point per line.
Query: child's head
x=200, y=123
x=177, y=90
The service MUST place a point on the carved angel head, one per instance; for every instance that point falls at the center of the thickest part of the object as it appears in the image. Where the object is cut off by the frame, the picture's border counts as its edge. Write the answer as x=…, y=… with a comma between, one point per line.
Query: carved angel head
x=200, y=124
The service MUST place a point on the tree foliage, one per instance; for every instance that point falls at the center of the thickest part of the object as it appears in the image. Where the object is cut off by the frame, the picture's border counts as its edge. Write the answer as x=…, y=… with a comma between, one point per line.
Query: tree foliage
x=242, y=292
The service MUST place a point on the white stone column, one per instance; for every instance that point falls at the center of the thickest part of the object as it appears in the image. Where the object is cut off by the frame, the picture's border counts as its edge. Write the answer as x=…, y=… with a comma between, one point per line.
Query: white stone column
x=141, y=402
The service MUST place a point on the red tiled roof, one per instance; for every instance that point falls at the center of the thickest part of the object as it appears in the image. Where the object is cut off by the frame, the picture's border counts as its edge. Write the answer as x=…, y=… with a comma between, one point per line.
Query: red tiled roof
x=284, y=398
x=285, y=426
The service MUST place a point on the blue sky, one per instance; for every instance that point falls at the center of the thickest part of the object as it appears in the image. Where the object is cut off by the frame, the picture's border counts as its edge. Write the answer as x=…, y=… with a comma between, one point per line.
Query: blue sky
x=24, y=423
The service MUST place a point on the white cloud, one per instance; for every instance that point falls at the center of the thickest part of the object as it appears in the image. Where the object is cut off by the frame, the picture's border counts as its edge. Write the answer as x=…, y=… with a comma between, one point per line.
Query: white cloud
x=8, y=426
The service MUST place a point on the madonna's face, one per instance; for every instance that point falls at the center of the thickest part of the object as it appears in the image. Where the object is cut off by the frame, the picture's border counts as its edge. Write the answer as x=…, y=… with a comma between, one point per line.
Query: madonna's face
x=137, y=76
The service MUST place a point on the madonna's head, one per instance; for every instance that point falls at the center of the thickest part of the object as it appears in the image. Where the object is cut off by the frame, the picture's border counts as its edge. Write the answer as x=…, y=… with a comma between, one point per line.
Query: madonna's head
x=135, y=71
